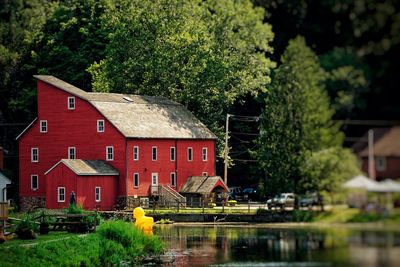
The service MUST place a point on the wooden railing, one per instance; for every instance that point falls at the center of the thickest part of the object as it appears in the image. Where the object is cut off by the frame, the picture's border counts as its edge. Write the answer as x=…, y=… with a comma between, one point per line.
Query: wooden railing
x=168, y=194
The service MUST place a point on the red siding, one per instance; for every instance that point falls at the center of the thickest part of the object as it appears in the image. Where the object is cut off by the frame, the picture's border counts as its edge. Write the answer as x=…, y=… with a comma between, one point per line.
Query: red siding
x=84, y=188
x=145, y=166
x=60, y=176
x=78, y=128
x=392, y=168
x=66, y=128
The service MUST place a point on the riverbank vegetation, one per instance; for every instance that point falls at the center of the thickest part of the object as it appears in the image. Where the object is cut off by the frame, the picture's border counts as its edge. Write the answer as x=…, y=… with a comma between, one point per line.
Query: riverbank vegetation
x=346, y=215
x=114, y=243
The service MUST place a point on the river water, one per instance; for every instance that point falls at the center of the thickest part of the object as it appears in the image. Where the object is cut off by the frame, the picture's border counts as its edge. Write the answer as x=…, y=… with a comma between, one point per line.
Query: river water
x=264, y=245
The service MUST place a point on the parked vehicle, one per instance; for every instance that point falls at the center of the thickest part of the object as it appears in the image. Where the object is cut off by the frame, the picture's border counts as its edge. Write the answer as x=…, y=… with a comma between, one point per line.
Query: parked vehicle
x=250, y=194
x=234, y=193
x=310, y=200
x=282, y=201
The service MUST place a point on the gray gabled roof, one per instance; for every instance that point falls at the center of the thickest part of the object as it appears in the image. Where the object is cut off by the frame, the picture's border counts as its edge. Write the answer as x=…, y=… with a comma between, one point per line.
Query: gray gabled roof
x=202, y=184
x=87, y=167
x=140, y=116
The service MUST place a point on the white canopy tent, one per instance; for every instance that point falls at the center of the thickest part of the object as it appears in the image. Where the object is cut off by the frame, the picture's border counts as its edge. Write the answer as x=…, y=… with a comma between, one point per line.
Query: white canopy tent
x=361, y=182
x=366, y=184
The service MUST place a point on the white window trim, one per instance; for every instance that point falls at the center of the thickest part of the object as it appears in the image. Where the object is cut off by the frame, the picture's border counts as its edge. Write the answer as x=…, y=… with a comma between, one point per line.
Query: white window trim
x=152, y=180
x=41, y=126
x=188, y=154
x=170, y=153
x=69, y=152
x=381, y=163
x=37, y=182
x=95, y=194
x=112, y=153
x=98, y=126
x=138, y=180
x=74, y=102
x=152, y=154
x=58, y=194
x=137, y=153
x=172, y=177
x=37, y=154
x=204, y=154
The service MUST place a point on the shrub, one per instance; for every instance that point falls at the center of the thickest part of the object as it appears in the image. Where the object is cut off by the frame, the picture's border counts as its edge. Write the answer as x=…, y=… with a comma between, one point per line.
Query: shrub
x=26, y=228
x=74, y=209
x=115, y=243
x=302, y=216
x=122, y=241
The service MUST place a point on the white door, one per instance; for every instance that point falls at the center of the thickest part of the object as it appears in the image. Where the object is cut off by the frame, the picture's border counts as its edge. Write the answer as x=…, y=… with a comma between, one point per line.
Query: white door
x=154, y=182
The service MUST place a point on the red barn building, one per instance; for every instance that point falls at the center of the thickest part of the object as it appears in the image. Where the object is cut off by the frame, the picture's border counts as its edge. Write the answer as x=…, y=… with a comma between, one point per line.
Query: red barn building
x=386, y=152
x=123, y=146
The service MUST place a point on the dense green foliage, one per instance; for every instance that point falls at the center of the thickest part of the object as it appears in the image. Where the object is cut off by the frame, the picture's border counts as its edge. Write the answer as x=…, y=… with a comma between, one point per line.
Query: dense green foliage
x=115, y=241
x=214, y=57
x=296, y=121
x=204, y=54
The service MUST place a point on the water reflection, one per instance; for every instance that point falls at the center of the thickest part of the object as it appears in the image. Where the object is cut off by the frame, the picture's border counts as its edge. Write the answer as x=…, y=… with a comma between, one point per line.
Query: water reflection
x=257, y=245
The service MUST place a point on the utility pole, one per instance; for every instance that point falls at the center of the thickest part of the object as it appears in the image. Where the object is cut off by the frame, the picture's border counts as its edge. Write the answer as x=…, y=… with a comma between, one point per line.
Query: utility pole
x=226, y=149
x=371, y=161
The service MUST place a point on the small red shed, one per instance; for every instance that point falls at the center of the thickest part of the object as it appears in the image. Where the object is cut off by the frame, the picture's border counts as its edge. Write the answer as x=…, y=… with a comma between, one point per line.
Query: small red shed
x=94, y=182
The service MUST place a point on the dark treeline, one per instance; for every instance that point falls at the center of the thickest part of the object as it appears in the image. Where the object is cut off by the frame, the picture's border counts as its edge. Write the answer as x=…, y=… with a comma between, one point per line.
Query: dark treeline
x=285, y=60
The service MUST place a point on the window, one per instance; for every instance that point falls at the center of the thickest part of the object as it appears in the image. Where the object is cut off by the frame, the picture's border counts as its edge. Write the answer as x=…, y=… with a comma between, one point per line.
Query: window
x=136, y=153
x=380, y=163
x=34, y=182
x=97, y=193
x=173, y=179
x=100, y=126
x=61, y=194
x=71, y=153
x=35, y=154
x=154, y=179
x=205, y=174
x=136, y=180
x=110, y=153
x=71, y=102
x=43, y=126
x=172, y=153
x=190, y=153
x=204, y=154
x=154, y=153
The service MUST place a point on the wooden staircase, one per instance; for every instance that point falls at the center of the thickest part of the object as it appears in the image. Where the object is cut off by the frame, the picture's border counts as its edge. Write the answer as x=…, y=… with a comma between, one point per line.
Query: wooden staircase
x=170, y=197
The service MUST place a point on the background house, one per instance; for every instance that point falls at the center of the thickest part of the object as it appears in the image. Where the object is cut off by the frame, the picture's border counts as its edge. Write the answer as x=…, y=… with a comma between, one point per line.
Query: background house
x=4, y=181
x=386, y=147
x=151, y=142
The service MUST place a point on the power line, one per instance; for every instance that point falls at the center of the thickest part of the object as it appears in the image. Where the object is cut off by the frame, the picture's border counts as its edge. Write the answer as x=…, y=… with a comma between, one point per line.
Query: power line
x=369, y=122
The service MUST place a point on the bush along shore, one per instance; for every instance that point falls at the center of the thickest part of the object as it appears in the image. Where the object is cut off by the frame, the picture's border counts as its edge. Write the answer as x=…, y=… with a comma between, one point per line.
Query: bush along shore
x=115, y=243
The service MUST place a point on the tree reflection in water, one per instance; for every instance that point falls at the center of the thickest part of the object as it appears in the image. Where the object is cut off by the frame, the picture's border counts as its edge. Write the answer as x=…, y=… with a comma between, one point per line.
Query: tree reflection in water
x=263, y=245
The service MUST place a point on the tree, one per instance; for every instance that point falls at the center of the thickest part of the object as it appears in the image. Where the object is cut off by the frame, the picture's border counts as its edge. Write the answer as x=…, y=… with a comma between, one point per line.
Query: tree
x=203, y=54
x=296, y=120
x=20, y=25
x=326, y=170
x=69, y=41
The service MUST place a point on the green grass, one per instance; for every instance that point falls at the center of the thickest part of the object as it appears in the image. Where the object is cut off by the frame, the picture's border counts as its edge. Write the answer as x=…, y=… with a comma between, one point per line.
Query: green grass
x=40, y=239
x=346, y=215
x=113, y=243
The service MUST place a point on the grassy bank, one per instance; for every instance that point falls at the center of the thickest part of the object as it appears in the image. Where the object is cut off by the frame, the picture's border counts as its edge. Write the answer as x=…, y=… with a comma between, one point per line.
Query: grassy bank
x=113, y=243
x=346, y=215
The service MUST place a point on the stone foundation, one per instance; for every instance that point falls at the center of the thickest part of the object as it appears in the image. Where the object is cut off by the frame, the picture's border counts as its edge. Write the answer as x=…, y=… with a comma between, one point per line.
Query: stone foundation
x=30, y=203
x=127, y=202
